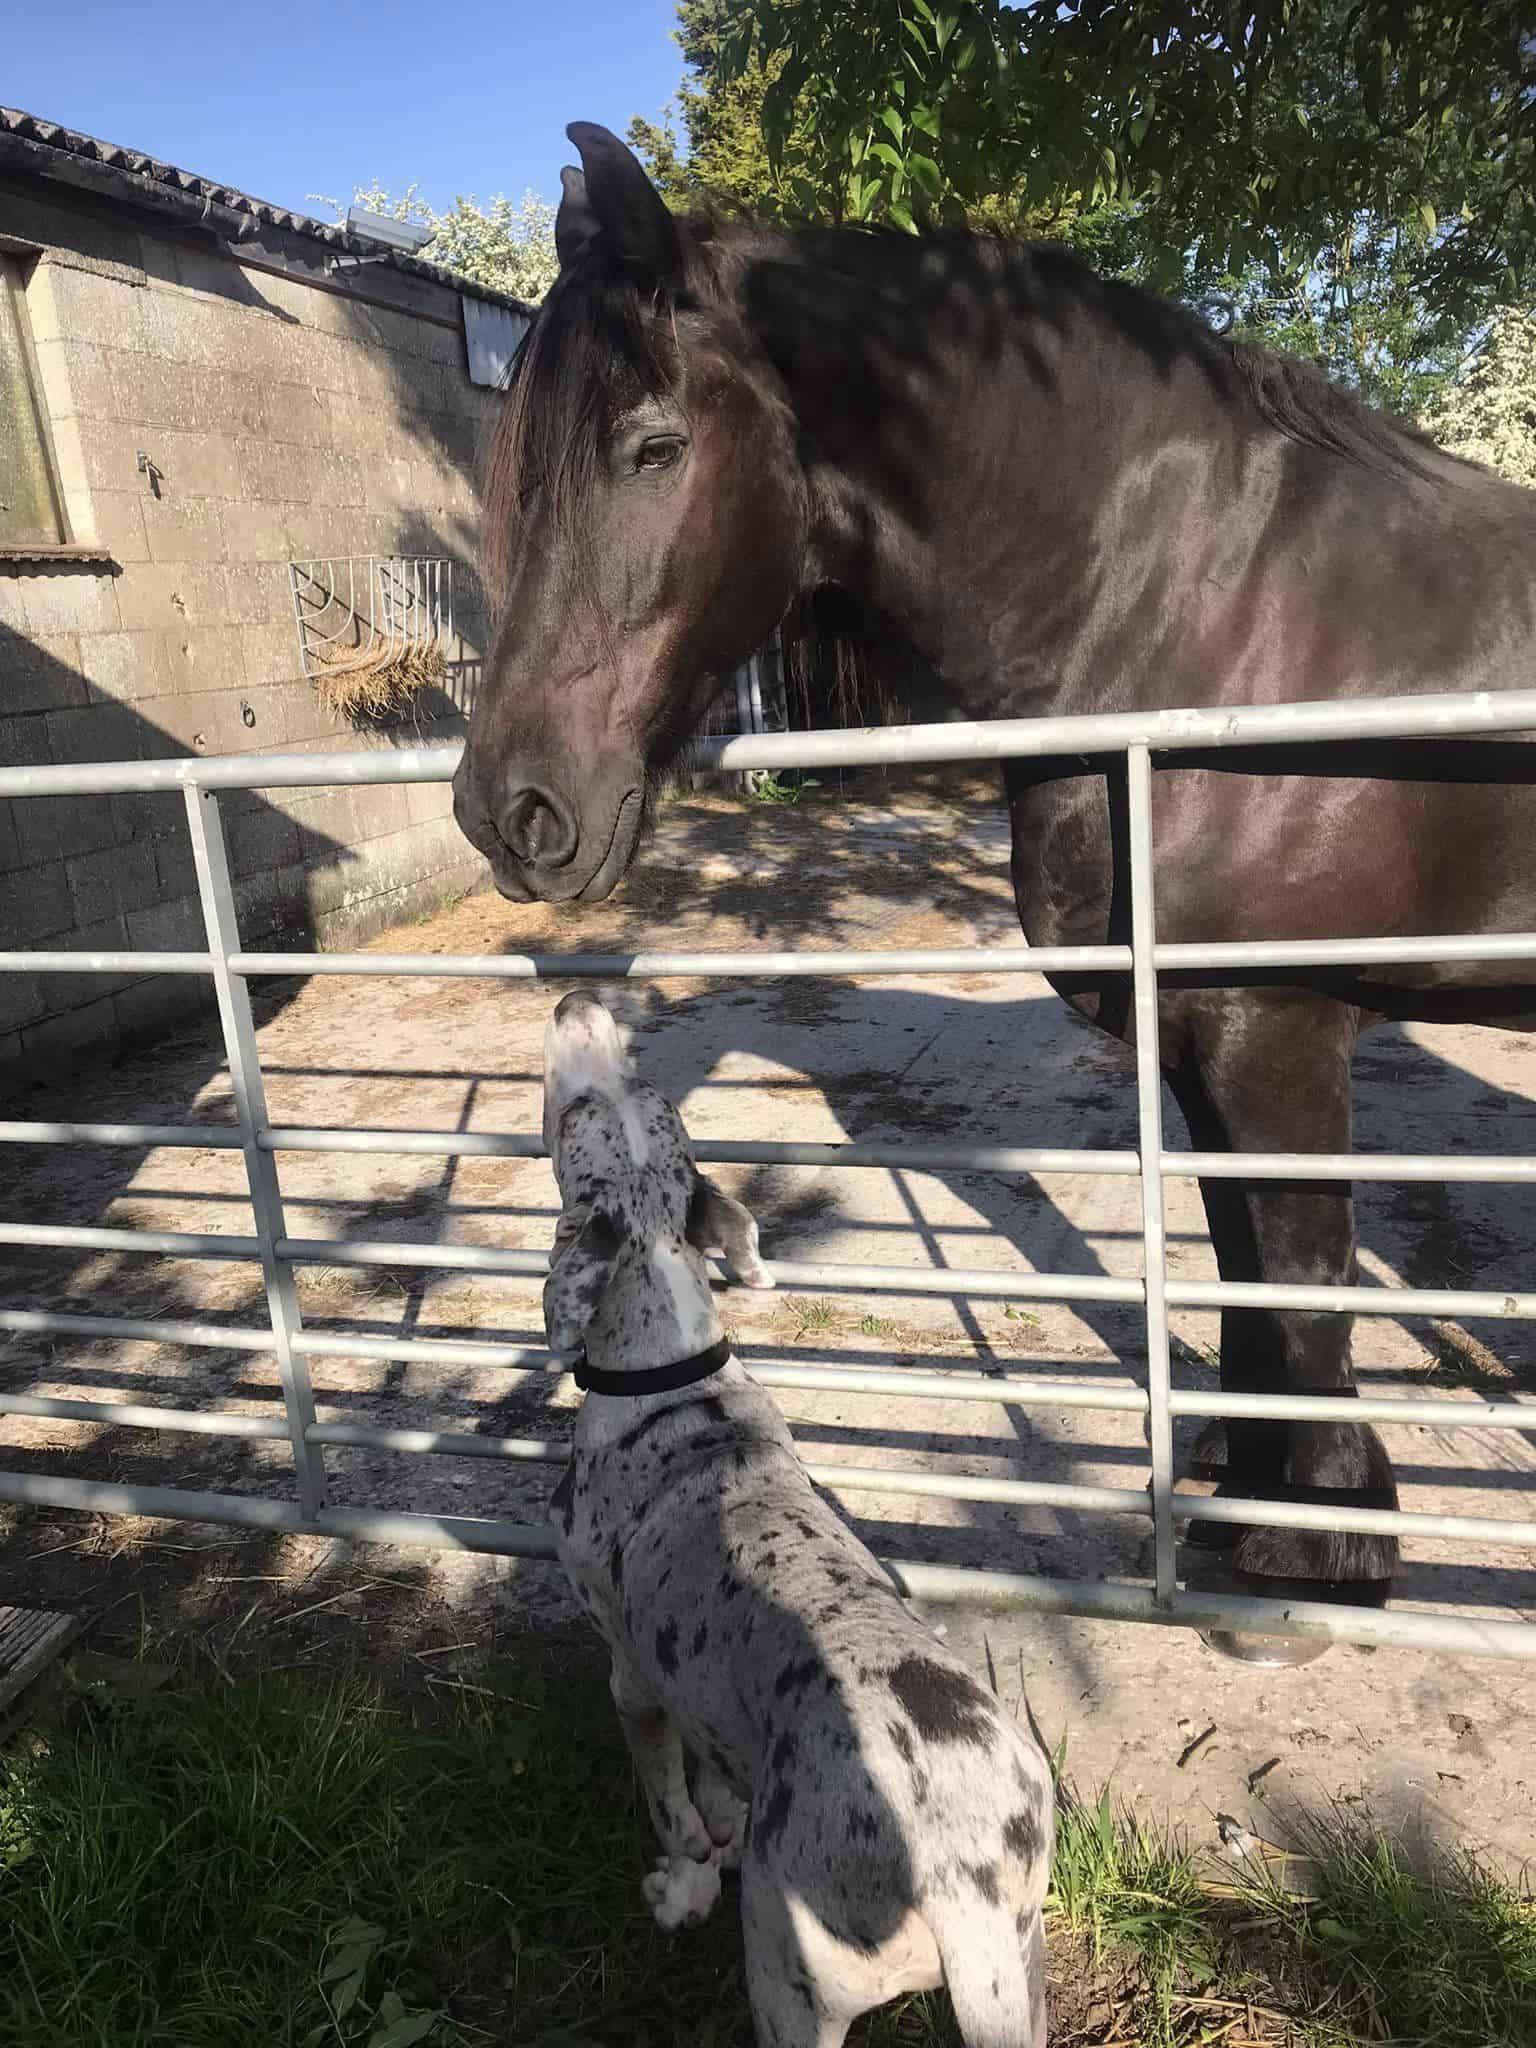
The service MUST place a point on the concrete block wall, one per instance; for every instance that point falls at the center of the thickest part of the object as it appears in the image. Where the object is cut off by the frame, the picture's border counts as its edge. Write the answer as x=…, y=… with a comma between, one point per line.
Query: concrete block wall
x=280, y=420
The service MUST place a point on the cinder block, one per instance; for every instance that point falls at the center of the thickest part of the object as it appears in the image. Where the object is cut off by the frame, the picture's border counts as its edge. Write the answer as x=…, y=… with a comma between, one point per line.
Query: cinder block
x=205, y=722
x=76, y=379
x=208, y=273
x=175, y=868
x=35, y=904
x=260, y=594
x=200, y=658
x=296, y=412
x=145, y=1009
x=59, y=1040
x=271, y=656
x=21, y=1001
x=261, y=841
x=168, y=927
x=255, y=533
x=73, y=991
x=181, y=329
x=179, y=528
x=108, y=453
x=273, y=472
x=99, y=732
x=273, y=905
x=235, y=402
x=65, y=303
x=123, y=667
x=10, y=845
x=199, y=465
x=40, y=674
x=69, y=597
x=114, y=520
x=54, y=828
x=172, y=595
x=114, y=881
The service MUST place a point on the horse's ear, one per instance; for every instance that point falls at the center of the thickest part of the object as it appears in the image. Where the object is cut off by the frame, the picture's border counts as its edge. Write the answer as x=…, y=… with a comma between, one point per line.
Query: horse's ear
x=636, y=225
x=575, y=222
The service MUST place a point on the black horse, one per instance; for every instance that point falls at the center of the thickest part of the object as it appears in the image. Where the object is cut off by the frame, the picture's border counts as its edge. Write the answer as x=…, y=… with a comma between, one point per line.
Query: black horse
x=1061, y=495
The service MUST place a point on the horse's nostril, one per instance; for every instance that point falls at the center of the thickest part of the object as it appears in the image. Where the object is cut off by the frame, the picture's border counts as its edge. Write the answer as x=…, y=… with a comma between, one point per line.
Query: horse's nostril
x=538, y=829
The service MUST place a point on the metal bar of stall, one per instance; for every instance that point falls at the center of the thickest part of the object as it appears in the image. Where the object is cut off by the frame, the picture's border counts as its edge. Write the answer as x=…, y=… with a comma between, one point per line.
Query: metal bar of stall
x=215, y=888
x=851, y=1154
x=1149, y=1117
x=1403, y=1411
x=1186, y=731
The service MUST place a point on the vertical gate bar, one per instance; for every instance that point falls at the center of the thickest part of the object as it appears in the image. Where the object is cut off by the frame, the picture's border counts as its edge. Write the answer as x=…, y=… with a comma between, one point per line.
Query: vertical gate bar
x=1149, y=1083
x=211, y=855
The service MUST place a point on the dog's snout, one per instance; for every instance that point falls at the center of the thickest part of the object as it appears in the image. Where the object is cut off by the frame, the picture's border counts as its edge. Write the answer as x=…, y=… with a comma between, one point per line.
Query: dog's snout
x=538, y=827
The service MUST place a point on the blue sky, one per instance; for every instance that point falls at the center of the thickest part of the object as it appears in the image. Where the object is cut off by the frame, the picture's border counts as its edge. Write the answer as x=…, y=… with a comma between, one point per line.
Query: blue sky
x=284, y=100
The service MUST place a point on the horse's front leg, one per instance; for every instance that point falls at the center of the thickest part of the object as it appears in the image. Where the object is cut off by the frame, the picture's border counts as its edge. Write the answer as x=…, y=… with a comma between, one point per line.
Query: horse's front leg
x=1264, y=1070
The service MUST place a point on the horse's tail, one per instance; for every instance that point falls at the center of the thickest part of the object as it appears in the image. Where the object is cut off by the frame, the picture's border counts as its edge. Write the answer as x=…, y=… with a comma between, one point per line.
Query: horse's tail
x=994, y=1965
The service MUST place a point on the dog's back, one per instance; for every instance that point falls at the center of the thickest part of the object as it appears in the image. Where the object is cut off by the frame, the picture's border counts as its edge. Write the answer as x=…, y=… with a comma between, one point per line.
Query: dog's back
x=900, y=1823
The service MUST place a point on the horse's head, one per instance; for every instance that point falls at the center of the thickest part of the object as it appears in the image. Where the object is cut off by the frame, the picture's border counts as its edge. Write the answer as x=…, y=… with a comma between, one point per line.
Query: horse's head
x=645, y=528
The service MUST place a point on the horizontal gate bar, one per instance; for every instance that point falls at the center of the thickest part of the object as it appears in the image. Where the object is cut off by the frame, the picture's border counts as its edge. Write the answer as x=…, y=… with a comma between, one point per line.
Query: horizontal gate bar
x=1462, y=1413
x=796, y=1273
x=173, y=1244
x=61, y=961
x=1254, y=1514
x=754, y=966
x=1253, y=725
x=1265, y=954
x=191, y=1137
x=134, y=1415
x=1387, y=1628
x=957, y=1280
x=851, y=1153
x=1353, y=1166
x=1405, y=1411
x=1105, y=1600
x=857, y=1152
x=47, y=1322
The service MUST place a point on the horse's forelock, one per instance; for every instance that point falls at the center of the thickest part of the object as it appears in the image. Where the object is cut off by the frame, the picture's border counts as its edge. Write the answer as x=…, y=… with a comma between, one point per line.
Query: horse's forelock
x=592, y=330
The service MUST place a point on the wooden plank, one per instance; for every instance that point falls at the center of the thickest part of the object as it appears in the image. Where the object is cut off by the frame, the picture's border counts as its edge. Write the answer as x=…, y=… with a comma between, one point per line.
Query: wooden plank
x=30, y=1639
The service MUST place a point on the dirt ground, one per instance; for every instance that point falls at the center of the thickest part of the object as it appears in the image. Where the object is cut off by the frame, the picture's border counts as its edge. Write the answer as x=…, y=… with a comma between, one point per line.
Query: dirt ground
x=1440, y=1748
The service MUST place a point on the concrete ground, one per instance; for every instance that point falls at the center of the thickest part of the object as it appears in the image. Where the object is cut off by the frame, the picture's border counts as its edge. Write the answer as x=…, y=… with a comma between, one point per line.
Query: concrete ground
x=1441, y=1748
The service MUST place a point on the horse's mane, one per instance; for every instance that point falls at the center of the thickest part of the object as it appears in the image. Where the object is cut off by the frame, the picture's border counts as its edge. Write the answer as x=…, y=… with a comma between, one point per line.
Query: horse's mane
x=598, y=329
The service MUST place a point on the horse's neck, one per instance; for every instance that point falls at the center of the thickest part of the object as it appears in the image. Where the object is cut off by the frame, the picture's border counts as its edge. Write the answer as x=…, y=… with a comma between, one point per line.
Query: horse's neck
x=1008, y=499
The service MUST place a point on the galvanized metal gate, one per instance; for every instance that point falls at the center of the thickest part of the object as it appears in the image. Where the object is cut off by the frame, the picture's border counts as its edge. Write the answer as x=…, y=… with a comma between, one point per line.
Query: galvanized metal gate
x=1140, y=737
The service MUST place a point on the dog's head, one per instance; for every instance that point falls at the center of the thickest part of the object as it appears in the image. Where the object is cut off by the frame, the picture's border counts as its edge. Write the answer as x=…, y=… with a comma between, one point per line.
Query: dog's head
x=627, y=1281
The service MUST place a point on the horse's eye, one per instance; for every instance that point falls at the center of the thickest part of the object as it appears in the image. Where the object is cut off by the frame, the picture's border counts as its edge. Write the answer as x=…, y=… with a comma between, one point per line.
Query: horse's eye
x=660, y=452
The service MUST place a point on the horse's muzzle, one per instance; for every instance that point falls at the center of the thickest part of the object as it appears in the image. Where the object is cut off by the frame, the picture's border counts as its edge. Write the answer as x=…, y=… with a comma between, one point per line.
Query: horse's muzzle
x=537, y=847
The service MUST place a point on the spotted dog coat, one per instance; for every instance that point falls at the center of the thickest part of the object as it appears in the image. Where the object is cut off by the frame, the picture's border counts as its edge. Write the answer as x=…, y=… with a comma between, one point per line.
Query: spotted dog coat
x=783, y=1707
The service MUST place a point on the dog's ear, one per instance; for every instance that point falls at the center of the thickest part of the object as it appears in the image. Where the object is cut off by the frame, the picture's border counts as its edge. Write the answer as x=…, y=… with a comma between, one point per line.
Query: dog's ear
x=587, y=1247
x=717, y=1222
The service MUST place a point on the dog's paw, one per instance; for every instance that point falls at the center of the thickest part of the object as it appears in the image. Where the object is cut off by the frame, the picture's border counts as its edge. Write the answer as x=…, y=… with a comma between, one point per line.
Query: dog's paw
x=726, y=1818
x=680, y=1892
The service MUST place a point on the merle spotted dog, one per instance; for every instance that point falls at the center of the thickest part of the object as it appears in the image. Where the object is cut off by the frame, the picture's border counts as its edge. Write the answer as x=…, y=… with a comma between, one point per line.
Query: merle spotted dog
x=784, y=1709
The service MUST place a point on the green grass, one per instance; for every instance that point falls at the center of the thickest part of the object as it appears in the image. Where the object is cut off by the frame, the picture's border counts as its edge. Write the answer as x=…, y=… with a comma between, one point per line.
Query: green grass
x=285, y=1861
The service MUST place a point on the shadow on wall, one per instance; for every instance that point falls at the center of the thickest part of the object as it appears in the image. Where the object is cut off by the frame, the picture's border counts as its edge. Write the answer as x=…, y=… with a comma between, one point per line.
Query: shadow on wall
x=115, y=873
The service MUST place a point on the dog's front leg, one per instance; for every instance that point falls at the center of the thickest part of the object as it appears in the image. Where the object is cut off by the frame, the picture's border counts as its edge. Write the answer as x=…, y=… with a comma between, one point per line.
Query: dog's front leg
x=684, y=1886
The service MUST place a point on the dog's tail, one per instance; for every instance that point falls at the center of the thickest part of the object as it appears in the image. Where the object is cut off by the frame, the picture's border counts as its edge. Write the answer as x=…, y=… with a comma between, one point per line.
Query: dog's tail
x=994, y=1965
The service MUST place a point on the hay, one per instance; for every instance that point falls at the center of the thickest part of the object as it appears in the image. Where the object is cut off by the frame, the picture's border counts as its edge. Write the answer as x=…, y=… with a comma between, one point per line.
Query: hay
x=376, y=682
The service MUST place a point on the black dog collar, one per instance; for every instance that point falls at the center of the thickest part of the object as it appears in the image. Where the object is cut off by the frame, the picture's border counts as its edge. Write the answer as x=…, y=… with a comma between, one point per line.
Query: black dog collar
x=657, y=1379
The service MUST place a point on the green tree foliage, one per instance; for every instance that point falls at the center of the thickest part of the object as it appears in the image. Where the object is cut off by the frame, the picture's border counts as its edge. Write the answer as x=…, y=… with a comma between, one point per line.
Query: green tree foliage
x=508, y=245
x=1353, y=179
x=1487, y=412
x=1241, y=131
